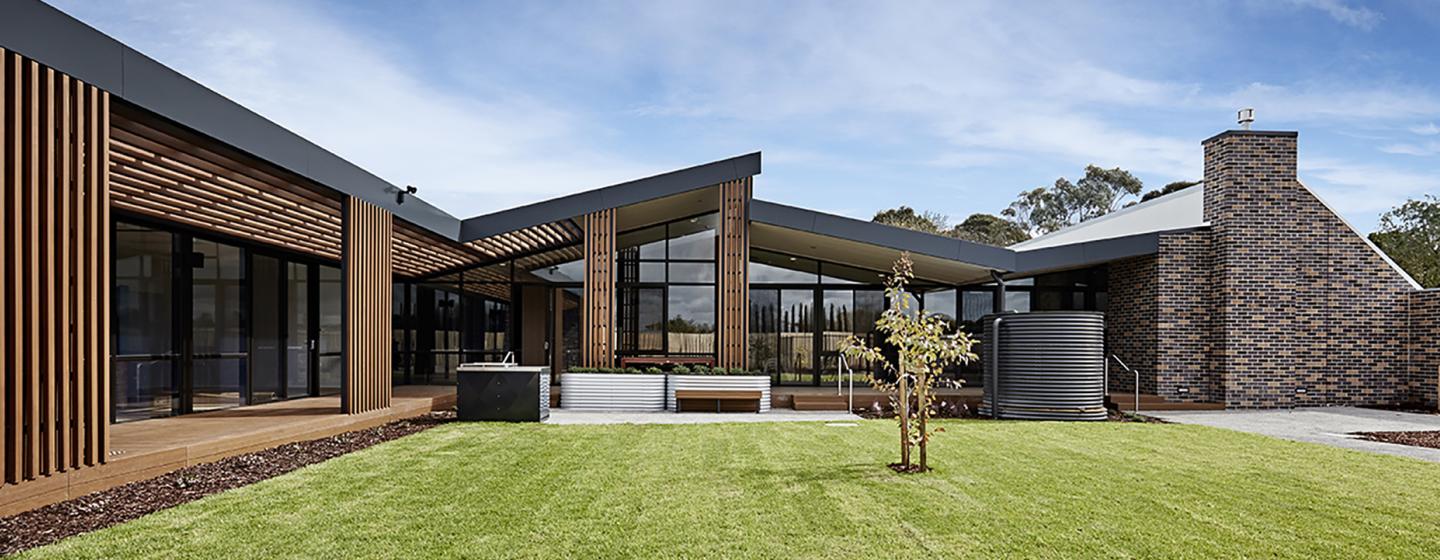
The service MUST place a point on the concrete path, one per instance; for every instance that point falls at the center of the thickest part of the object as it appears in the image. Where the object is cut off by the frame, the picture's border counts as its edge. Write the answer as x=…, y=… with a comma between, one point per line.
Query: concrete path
x=562, y=416
x=1330, y=426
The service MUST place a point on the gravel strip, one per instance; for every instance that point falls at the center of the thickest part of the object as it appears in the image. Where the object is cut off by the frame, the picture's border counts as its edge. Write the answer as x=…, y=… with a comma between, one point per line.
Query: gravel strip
x=1429, y=439
x=117, y=505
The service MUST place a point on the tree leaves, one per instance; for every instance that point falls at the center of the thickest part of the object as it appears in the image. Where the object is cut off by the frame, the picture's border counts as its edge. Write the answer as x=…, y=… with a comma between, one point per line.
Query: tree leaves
x=1410, y=234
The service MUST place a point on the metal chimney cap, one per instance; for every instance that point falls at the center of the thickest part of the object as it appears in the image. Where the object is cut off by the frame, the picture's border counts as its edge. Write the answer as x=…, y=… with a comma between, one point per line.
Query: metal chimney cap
x=1245, y=117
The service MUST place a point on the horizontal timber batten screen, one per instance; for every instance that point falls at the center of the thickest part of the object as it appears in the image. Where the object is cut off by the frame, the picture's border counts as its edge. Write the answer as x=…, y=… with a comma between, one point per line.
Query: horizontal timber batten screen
x=54, y=335
x=367, y=263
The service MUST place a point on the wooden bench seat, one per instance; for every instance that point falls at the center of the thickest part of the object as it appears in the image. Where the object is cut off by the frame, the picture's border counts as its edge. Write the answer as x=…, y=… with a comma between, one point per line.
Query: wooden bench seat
x=725, y=401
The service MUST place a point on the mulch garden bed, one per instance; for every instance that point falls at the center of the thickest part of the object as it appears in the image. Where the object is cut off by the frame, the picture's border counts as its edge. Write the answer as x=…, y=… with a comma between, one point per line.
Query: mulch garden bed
x=1429, y=439
x=117, y=505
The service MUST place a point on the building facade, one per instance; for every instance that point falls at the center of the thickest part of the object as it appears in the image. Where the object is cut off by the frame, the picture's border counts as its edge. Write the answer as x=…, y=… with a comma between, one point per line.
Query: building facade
x=167, y=252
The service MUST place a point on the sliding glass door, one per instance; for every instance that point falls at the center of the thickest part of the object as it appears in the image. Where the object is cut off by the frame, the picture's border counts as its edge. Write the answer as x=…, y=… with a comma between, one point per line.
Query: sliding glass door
x=202, y=324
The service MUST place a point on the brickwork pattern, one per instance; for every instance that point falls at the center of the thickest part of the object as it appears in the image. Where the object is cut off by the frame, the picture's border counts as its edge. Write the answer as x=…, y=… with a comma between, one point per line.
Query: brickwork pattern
x=1425, y=347
x=1185, y=367
x=1130, y=322
x=1305, y=313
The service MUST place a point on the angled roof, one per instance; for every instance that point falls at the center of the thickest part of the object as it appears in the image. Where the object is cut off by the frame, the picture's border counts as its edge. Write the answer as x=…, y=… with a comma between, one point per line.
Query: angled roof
x=830, y=225
x=1178, y=210
x=46, y=34
x=613, y=196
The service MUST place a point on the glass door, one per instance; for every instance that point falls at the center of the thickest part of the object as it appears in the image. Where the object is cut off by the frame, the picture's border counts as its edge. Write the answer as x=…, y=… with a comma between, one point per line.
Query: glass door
x=144, y=379
x=330, y=293
x=219, y=349
x=299, y=331
x=267, y=305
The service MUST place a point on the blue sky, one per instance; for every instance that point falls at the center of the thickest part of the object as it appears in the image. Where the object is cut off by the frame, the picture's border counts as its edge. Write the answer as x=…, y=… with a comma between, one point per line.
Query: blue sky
x=857, y=106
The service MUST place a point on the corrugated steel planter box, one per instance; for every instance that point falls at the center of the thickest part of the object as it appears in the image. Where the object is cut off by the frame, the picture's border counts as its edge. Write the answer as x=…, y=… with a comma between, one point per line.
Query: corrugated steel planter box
x=718, y=383
x=612, y=391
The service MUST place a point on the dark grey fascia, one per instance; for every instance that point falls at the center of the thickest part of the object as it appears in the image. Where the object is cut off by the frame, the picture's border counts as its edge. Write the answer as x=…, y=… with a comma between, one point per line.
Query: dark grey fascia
x=1089, y=253
x=614, y=196
x=39, y=31
x=978, y=254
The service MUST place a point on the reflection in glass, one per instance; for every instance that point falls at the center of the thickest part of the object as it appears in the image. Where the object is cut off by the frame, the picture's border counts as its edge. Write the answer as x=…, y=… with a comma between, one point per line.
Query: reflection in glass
x=797, y=336
x=648, y=243
x=764, y=330
x=686, y=272
x=694, y=238
x=691, y=326
x=297, y=330
x=331, y=305
x=218, y=326
x=143, y=382
x=774, y=268
x=977, y=304
x=942, y=303
x=642, y=319
x=265, y=303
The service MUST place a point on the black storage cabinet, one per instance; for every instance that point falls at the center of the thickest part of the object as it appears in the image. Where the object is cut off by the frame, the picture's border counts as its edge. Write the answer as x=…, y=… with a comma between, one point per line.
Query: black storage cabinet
x=503, y=394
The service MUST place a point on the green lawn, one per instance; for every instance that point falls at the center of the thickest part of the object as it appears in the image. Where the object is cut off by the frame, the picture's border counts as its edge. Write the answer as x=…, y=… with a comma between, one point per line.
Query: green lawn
x=808, y=490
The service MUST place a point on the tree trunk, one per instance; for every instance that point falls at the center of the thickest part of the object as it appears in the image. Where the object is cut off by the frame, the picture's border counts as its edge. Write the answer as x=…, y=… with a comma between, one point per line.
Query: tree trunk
x=903, y=401
x=922, y=395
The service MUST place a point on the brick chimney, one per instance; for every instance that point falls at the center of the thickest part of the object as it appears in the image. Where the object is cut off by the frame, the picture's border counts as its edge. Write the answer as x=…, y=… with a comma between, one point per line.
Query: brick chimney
x=1251, y=201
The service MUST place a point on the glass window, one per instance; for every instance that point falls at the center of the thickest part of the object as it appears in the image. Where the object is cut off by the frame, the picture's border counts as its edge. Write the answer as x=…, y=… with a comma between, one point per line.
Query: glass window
x=218, y=319
x=266, y=301
x=1017, y=301
x=774, y=268
x=691, y=326
x=642, y=319
x=977, y=304
x=942, y=303
x=331, y=304
x=647, y=244
x=558, y=266
x=797, y=337
x=837, y=318
x=297, y=335
x=686, y=272
x=694, y=238
x=143, y=378
x=764, y=323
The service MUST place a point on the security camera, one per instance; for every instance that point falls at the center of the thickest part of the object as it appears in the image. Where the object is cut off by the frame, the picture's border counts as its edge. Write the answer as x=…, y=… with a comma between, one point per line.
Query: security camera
x=400, y=193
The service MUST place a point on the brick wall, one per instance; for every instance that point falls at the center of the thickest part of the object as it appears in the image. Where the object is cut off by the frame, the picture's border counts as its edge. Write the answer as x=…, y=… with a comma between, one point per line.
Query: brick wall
x=1425, y=346
x=1130, y=322
x=1304, y=312
x=1185, y=368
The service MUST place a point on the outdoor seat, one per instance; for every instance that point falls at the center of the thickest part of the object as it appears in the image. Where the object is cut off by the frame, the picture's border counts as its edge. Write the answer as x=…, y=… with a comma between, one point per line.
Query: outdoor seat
x=725, y=401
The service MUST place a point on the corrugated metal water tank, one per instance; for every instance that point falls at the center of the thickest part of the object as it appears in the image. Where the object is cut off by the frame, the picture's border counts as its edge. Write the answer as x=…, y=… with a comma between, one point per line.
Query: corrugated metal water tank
x=1051, y=365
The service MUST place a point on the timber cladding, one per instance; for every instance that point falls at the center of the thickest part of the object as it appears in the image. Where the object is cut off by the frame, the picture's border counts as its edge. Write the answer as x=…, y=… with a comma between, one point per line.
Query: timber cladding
x=158, y=169
x=734, y=262
x=597, y=332
x=55, y=333
x=367, y=336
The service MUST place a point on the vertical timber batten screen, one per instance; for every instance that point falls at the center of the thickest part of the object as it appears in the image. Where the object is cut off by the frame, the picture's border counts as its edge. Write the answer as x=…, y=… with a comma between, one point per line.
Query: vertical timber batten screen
x=54, y=216
x=368, y=233
x=734, y=289
x=597, y=347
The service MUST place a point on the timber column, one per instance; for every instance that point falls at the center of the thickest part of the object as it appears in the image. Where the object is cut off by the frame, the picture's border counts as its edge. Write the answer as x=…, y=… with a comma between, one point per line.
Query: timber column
x=733, y=292
x=597, y=331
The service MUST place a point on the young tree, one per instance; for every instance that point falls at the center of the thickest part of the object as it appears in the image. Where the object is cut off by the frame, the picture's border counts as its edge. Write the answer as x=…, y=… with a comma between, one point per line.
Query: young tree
x=1410, y=234
x=925, y=345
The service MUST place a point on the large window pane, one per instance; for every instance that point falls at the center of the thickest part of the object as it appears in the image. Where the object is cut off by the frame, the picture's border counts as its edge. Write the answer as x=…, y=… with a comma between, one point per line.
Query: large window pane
x=642, y=319
x=331, y=330
x=266, y=298
x=941, y=303
x=686, y=272
x=218, y=325
x=764, y=330
x=297, y=330
x=691, y=326
x=144, y=364
x=694, y=238
x=837, y=318
x=648, y=243
x=797, y=336
x=774, y=268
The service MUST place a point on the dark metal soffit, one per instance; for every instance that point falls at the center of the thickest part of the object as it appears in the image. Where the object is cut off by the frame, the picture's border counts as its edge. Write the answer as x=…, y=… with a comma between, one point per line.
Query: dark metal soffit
x=901, y=239
x=614, y=196
x=48, y=35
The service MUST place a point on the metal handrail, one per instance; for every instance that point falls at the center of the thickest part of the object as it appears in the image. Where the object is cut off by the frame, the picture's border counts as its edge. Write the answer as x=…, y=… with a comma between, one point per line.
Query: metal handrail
x=1137, y=381
x=842, y=368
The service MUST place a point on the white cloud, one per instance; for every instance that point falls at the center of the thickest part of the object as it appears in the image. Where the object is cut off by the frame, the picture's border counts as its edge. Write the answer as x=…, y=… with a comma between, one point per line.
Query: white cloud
x=1359, y=17
x=1427, y=129
x=1363, y=189
x=344, y=91
x=1413, y=149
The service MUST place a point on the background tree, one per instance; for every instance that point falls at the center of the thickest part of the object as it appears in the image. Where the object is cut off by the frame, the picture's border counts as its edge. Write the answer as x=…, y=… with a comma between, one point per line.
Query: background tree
x=1410, y=234
x=1167, y=189
x=990, y=230
x=906, y=217
x=923, y=347
x=1100, y=192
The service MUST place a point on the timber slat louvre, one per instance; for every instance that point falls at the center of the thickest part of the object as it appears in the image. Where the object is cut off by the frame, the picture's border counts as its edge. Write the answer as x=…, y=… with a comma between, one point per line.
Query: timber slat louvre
x=734, y=262
x=598, y=317
x=54, y=387
x=368, y=233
